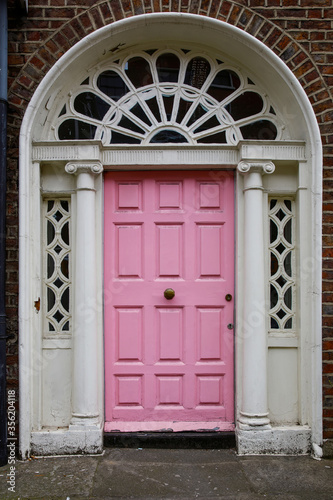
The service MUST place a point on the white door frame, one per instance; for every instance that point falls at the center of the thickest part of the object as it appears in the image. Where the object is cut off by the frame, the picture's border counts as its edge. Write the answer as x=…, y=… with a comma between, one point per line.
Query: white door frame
x=86, y=161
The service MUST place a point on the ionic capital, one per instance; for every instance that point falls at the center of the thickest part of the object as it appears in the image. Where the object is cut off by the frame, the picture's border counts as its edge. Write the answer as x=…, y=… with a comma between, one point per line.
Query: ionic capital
x=261, y=167
x=92, y=167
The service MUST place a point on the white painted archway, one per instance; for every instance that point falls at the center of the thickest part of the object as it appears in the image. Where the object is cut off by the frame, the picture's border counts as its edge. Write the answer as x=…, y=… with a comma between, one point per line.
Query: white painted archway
x=296, y=160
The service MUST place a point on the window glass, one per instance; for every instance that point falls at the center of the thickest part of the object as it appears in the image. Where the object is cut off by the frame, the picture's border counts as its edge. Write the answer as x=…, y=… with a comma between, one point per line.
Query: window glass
x=245, y=105
x=167, y=66
x=91, y=105
x=138, y=71
x=170, y=136
x=76, y=129
x=263, y=130
x=223, y=85
x=112, y=85
x=197, y=72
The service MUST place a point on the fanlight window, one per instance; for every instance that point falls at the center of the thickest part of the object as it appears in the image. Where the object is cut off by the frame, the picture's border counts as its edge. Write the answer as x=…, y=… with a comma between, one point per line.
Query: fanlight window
x=157, y=97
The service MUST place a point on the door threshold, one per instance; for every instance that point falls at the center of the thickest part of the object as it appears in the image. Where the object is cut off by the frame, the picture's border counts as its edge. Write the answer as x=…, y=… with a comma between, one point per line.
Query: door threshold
x=171, y=440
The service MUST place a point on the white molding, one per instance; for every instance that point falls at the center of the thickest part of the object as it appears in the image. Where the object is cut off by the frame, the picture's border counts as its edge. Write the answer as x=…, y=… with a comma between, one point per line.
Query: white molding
x=55, y=151
x=282, y=341
x=57, y=343
x=158, y=155
x=279, y=151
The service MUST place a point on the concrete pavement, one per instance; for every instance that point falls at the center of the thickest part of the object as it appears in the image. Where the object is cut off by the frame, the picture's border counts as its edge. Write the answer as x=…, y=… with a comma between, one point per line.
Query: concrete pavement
x=125, y=473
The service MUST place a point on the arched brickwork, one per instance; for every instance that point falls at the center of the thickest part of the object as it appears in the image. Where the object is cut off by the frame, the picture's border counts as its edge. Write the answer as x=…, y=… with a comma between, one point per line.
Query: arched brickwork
x=299, y=34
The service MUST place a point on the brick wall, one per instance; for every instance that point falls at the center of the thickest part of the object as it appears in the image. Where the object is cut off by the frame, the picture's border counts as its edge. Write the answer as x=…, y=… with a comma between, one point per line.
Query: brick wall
x=298, y=31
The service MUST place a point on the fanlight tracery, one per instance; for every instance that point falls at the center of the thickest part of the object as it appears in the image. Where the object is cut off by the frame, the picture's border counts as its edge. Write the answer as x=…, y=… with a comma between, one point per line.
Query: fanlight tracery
x=167, y=97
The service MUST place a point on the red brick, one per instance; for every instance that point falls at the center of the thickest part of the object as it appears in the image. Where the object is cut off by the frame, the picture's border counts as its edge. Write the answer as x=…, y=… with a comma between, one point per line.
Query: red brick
x=273, y=37
x=327, y=173
x=292, y=13
x=315, y=13
x=315, y=24
x=126, y=4
x=309, y=3
x=299, y=58
x=327, y=287
x=234, y=14
x=117, y=10
x=61, y=41
x=254, y=25
x=257, y=3
x=204, y=5
x=327, y=321
x=322, y=47
x=327, y=356
x=328, y=368
x=225, y=9
x=106, y=12
x=283, y=43
x=77, y=27
x=304, y=68
x=193, y=6
x=244, y=18
x=290, y=52
x=85, y=20
x=15, y=60
x=214, y=8
x=328, y=345
x=327, y=275
x=138, y=6
x=59, y=13
x=316, y=36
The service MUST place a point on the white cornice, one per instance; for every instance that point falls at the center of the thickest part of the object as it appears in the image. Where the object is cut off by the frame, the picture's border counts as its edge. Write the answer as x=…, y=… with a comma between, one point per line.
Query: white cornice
x=227, y=156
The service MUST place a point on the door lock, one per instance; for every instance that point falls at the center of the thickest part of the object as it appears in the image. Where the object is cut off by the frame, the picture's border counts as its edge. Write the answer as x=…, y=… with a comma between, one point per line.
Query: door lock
x=230, y=326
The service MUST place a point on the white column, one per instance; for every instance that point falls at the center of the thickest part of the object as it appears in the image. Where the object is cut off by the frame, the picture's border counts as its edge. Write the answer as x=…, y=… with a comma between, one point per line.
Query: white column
x=85, y=410
x=254, y=409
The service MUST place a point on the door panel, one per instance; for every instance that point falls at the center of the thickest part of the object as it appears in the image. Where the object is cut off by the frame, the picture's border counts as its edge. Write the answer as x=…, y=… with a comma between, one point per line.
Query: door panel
x=168, y=362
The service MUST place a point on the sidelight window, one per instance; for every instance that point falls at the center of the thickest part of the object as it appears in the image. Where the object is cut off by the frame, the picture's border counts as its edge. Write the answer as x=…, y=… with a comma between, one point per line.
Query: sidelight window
x=57, y=266
x=282, y=265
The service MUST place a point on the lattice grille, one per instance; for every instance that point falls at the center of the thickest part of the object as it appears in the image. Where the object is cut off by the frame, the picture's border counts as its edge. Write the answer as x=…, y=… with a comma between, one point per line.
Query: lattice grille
x=282, y=265
x=173, y=96
x=57, y=266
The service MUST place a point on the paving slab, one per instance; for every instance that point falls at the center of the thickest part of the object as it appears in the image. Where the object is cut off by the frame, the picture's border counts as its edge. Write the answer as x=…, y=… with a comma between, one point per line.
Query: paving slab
x=50, y=478
x=152, y=474
x=180, y=473
x=290, y=475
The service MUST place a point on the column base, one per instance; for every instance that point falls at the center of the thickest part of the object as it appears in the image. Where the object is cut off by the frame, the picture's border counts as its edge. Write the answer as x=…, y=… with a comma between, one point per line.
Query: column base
x=252, y=421
x=71, y=441
x=295, y=440
x=86, y=421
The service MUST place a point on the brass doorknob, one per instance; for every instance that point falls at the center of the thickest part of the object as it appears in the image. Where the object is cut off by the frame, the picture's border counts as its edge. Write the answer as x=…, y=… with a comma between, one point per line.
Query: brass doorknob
x=169, y=293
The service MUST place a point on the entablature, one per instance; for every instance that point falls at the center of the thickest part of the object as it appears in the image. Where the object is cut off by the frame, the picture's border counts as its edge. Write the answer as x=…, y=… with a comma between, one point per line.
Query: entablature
x=158, y=156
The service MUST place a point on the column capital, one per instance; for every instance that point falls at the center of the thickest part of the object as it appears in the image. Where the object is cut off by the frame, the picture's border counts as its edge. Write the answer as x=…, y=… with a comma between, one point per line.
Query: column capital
x=261, y=167
x=90, y=167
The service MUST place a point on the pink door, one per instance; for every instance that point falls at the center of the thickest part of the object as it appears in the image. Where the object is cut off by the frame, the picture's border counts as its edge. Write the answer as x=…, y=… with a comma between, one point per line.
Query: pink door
x=169, y=361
